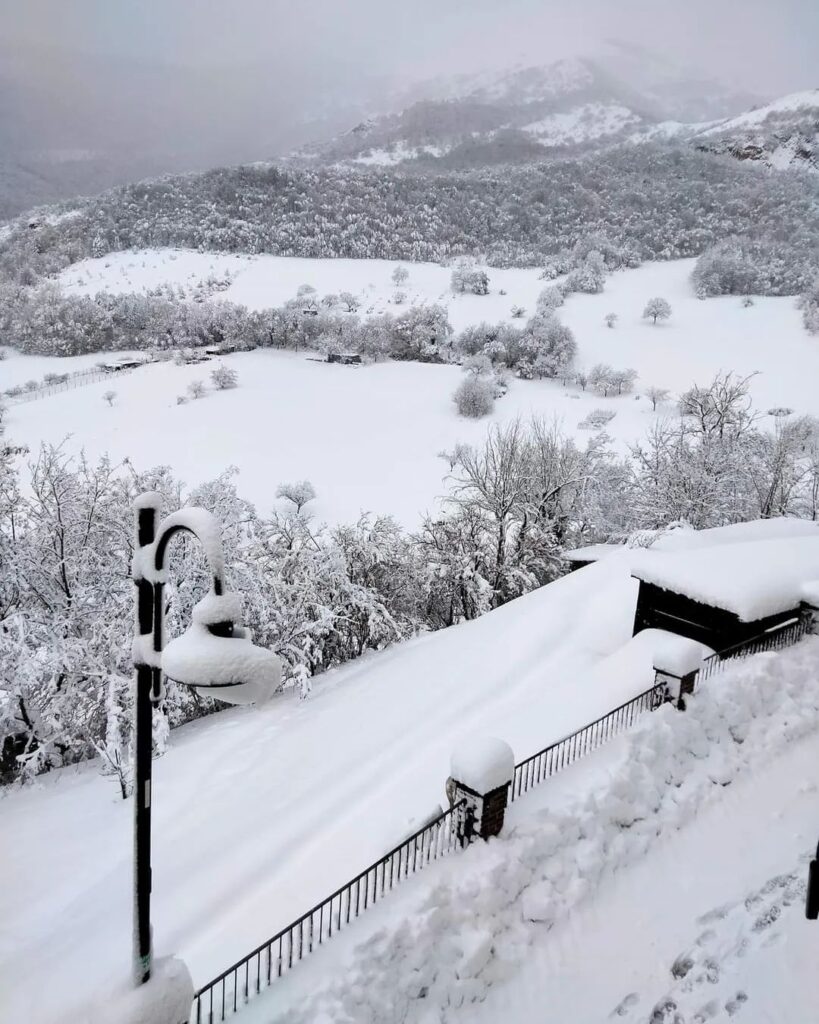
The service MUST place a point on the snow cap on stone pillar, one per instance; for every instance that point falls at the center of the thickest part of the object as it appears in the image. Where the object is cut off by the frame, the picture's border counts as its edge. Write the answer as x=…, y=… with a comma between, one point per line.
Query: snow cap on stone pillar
x=483, y=763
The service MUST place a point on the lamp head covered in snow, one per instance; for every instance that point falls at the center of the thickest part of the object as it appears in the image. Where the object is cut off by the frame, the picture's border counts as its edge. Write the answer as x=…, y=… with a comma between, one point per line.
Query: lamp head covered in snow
x=215, y=655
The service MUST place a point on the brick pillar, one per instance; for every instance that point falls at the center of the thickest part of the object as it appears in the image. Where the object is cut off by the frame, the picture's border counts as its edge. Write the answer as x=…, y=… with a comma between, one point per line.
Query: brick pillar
x=482, y=771
x=809, y=610
x=676, y=687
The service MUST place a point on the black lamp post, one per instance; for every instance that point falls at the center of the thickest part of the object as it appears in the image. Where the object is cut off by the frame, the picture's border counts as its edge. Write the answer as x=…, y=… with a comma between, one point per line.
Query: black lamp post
x=215, y=656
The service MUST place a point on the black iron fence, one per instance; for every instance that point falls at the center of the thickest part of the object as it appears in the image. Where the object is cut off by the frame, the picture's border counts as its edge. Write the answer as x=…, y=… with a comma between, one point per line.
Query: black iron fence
x=773, y=639
x=233, y=988
x=227, y=993
x=571, y=748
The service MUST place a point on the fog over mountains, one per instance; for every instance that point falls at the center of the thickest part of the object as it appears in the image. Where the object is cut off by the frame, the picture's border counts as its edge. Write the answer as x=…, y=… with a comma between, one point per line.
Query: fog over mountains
x=77, y=124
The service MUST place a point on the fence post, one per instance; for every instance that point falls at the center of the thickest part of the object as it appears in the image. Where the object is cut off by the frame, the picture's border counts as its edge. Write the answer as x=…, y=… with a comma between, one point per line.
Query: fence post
x=677, y=664
x=809, y=610
x=482, y=772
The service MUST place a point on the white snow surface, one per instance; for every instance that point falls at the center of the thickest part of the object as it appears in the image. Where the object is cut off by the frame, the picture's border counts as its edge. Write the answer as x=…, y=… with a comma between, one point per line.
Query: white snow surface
x=483, y=763
x=752, y=580
x=164, y=999
x=269, y=426
x=676, y=655
x=776, y=528
x=796, y=101
x=582, y=124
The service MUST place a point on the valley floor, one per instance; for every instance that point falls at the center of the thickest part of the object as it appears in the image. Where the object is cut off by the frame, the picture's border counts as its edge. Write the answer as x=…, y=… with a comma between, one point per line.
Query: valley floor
x=369, y=437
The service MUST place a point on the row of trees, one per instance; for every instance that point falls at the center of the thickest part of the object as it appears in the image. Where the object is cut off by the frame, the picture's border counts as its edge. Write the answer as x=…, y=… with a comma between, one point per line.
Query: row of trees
x=320, y=596
x=44, y=321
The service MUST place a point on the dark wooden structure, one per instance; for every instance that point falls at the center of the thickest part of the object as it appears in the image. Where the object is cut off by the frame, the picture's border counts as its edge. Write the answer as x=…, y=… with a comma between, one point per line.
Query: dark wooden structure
x=658, y=608
x=345, y=358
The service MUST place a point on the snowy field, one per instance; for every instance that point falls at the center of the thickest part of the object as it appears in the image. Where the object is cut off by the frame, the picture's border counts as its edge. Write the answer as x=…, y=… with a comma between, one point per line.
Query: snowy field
x=271, y=427
x=260, y=282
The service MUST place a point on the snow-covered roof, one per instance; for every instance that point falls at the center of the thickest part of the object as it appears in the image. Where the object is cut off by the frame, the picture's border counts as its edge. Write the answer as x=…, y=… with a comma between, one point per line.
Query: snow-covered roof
x=591, y=553
x=737, y=533
x=753, y=579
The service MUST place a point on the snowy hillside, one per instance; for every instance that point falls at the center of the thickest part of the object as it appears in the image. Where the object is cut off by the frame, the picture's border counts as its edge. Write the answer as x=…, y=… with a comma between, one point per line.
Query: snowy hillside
x=259, y=814
x=779, y=135
x=396, y=469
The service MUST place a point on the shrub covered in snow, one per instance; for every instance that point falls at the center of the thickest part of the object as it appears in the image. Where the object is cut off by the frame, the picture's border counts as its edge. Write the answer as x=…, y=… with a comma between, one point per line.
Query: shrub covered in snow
x=224, y=377
x=597, y=419
x=474, y=397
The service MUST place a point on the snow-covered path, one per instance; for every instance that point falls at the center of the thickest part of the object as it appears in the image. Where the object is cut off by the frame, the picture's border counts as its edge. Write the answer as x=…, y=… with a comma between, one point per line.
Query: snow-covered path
x=257, y=815
x=726, y=893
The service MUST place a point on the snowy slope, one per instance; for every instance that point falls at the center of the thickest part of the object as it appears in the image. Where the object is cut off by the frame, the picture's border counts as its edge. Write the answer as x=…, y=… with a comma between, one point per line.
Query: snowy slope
x=258, y=814
x=780, y=135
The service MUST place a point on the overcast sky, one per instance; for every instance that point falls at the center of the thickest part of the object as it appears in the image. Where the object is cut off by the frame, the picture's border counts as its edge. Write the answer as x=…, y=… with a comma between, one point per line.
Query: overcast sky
x=766, y=45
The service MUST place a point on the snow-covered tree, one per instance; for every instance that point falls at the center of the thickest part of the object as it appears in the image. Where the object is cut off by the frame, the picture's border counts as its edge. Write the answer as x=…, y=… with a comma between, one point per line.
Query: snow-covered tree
x=611, y=319
x=657, y=309
x=197, y=389
x=468, y=278
x=109, y=397
x=548, y=348
x=400, y=276
x=298, y=494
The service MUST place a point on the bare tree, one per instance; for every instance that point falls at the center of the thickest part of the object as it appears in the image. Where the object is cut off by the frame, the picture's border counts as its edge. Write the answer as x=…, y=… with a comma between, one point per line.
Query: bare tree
x=722, y=408
x=493, y=481
x=109, y=397
x=656, y=395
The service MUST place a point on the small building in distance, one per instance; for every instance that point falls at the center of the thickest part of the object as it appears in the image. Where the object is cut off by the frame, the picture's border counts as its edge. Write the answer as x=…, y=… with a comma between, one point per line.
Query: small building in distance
x=722, y=587
x=345, y=358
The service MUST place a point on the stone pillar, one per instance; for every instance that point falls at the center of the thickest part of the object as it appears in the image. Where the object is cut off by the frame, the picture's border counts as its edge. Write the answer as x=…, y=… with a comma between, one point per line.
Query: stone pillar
x=482, y=771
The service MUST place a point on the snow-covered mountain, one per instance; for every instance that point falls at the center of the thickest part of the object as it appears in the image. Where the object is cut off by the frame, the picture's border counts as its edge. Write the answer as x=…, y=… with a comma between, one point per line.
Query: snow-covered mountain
x=781, y=134
x=529, y=113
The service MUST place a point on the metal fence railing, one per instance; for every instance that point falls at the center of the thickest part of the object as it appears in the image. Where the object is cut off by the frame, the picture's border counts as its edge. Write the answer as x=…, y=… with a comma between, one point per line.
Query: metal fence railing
x=228, y=992
x=571, y=748
x=773, y=639
x=234, y=987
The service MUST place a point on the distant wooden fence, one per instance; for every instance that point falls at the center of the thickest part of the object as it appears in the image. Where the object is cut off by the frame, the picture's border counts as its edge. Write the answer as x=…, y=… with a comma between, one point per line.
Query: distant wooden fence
x=76, y=380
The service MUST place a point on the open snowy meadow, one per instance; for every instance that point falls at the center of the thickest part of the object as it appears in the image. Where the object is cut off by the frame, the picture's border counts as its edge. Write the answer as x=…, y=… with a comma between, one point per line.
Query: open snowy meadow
x=375, y=444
